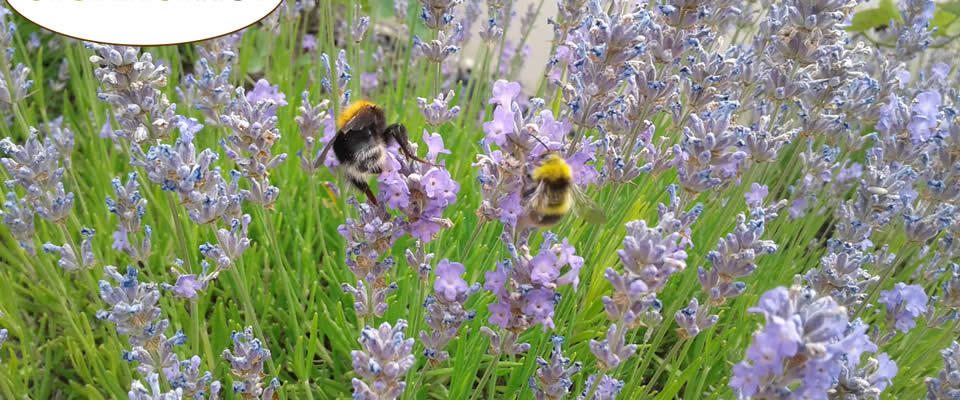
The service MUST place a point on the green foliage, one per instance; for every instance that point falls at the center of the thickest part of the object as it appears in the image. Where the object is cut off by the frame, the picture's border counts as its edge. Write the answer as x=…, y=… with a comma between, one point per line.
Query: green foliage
x=57, y=349
x=875, y=17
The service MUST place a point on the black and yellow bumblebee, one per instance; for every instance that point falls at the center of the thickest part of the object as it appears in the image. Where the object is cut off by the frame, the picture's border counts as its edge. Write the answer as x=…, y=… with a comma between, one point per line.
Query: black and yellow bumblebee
x=553, y=193
x=361, y=141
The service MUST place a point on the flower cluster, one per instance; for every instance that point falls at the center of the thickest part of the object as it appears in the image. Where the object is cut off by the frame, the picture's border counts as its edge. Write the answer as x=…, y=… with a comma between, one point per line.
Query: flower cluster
x=552, y=379
x=526, y=285
x=445, y=309
x=437, y=112
x=370, y=236
x=863, y=382
x=35, y=167
x=254, y=134
x=315, y=124
x=650, y=256
x=801, y=349
x=418, y=191
x=736, y=253
x=383, y=362
x=207, y=195
x=69, y=259
x=129, y=207
x=343, y=76
x=14, y=91
x=135, y=310
x=607, y=389
x=246, y=363
x=904, y=304
x=132, y=83
x=208, y=87
x=947, y=384
x=18, y=217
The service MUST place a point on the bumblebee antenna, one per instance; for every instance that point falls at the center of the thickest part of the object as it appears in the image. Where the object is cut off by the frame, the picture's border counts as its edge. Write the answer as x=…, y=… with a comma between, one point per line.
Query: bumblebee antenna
x=541, y=142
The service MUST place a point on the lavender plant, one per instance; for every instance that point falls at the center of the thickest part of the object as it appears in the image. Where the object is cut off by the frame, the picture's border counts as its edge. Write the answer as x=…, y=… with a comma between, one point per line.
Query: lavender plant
x=840, y=116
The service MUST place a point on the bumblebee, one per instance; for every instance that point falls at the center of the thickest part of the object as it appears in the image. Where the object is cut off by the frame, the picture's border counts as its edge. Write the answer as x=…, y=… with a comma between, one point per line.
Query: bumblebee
x=361, y=141
x=554, y=193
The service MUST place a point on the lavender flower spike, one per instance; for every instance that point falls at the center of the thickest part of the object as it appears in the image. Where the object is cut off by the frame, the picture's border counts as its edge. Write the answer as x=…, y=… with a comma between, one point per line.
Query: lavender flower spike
x=19, y=219
x=612, y=350
x=797, y=354
x=383, y=362
x=436, y=113
x=68, y=257
x=865, y=382
x=904, y=304
x=140, y=392
x=552, y=381
x=445, y=310
x=946, y=386
x=246, y=363
x=693, y=319
x=134, y=306
x=608, y=389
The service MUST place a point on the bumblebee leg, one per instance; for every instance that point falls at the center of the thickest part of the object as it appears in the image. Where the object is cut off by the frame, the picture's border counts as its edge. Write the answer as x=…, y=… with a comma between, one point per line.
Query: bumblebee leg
x=363, y=186
x=398, y=134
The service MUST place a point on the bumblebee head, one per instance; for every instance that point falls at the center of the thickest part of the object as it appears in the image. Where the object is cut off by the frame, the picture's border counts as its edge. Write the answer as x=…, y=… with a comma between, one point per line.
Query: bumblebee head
x=553, y=168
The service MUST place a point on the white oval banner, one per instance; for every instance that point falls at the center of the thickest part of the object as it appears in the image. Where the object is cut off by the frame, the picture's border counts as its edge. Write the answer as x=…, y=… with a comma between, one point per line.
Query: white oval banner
x=144, y=22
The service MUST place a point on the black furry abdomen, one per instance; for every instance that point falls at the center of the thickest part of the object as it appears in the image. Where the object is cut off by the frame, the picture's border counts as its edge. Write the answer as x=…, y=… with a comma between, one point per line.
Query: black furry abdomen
x=359, y=151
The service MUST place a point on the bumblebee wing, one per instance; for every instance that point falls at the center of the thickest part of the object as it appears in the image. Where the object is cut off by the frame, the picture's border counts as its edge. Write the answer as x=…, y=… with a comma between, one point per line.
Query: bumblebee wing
x=326, y=148
x=585, y=208
x=539, y=198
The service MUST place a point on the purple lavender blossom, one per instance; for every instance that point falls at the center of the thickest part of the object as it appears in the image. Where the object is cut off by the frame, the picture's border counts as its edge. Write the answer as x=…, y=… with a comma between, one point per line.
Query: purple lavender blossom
x=317, y=128
x=383, y=362
x=35, y=168
x=360, y=25
x=735, y=256
x=140, y=392
x=19, y=219
x=436, y=113
x=18, y=88
x=129, y=207
x=445, y=309
x=246, y=363
x=612, y=350
x=194, y=384
x=132, y=83
x=756, y=194
x=608, y=388
x=946, y=386
x=134, y=306
x=804, y=340
x=552, y=378
x=187, y=286
x=262, y=90
x=439, y=50
x=904, y=304
x=343, y=76
x=437, y=14
x=526, y=284
x=250, y=145
x=866, y=381
x=69, y=259
x=421, y=193
x=693, y=319
x=369, y=237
